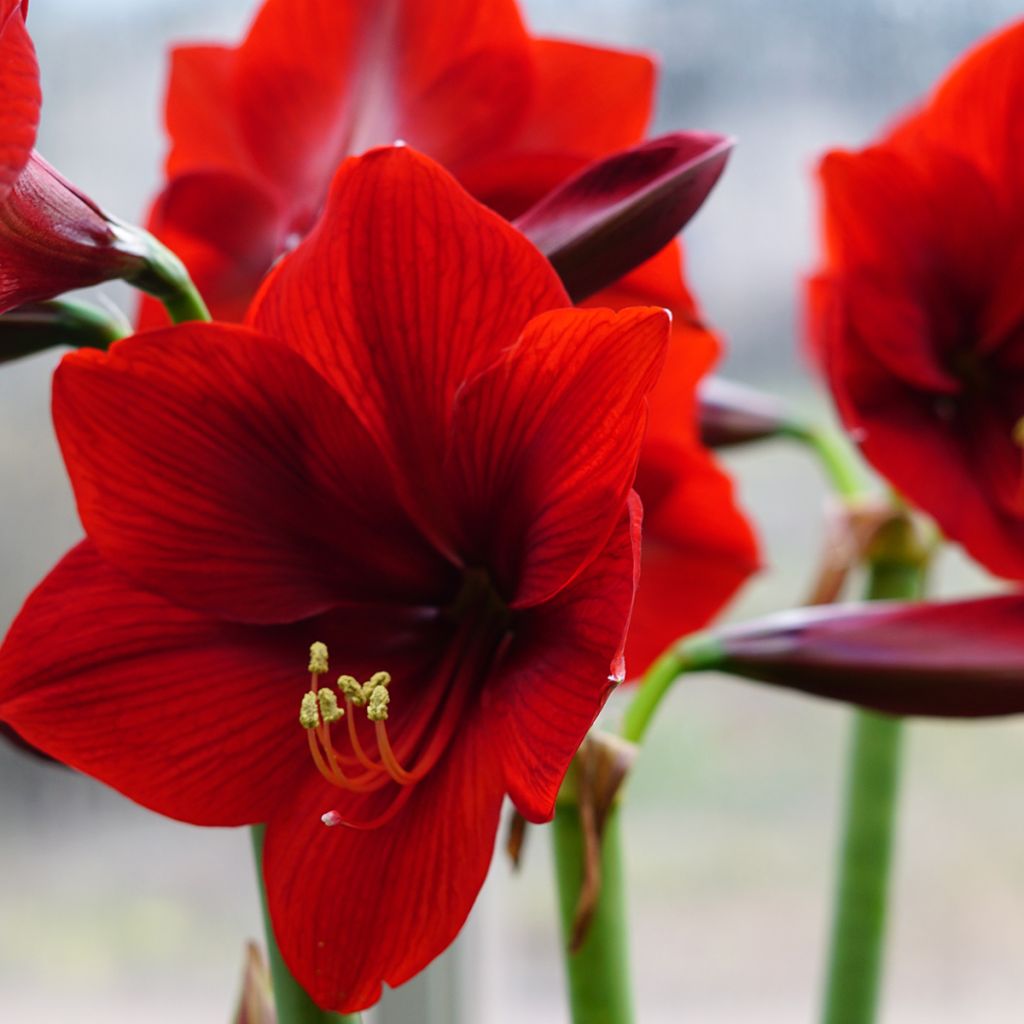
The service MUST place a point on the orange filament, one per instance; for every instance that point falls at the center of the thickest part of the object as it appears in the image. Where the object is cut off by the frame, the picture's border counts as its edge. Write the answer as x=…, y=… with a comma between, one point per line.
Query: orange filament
x=424, y=739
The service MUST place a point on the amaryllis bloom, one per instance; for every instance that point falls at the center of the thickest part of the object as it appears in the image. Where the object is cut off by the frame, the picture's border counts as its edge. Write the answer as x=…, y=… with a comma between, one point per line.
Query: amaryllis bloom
x=918, y=312
x=953, y=658
x=52, y=238
x=258, y=129
x=413, y=454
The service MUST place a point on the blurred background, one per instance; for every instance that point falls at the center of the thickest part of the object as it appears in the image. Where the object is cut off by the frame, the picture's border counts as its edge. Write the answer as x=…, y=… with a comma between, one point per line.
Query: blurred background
x=111, y=914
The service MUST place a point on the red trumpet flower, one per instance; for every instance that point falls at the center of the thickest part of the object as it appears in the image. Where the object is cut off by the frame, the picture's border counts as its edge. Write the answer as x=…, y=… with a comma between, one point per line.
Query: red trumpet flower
x=917, y=314
x=257, y=130
x=412, y=453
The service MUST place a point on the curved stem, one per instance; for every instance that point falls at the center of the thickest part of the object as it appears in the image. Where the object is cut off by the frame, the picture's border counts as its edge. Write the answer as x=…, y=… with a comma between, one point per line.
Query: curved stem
x=37, y=326
x=164, y=276
x=691, y=654
x=837, y=457
x=293, y=1004
x=872, y=802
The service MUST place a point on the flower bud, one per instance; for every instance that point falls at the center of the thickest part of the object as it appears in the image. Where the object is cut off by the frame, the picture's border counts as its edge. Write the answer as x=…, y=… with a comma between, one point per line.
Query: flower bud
x=618, y=212
x=54, y=239
x=955, y=659
x=732, y=414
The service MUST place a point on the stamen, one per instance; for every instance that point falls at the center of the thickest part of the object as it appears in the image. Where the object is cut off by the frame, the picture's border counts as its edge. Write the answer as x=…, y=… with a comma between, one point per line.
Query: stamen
x=309, y=712
x=329, y=710
x=377, y=705
x=351, y=690
x=318, y=658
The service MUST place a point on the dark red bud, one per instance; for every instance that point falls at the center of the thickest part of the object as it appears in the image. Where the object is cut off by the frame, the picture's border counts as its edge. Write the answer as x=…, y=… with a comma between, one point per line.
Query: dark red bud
x=732, y=414
x=54, y=239
x=618, y=212
x=955, y=659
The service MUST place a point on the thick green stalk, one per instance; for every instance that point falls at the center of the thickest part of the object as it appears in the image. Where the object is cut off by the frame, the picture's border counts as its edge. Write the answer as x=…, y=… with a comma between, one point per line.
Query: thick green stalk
x=293, y=1004
x=857, y=947
x=598, y=972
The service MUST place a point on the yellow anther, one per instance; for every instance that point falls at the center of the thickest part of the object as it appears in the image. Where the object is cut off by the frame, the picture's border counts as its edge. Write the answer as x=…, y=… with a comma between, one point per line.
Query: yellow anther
x=377, y=707
x=350, y=688
x=379, y=679
x=309, y=711
x=1018, y=432
x=329, y=710
x=318, y=658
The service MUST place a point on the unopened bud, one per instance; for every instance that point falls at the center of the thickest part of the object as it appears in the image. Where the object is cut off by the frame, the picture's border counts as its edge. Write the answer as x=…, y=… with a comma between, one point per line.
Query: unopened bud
x=731, y=414
x=952, y=659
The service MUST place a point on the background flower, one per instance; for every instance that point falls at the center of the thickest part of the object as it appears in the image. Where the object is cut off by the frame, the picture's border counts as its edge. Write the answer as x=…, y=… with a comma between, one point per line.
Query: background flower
x=917, y=313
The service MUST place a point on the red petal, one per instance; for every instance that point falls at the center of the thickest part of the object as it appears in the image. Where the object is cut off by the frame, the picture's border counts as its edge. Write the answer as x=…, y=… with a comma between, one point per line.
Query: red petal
x=565, y=661
x=546, y=444
x=227, y=229
x=976, y=111
x=20, y=97
x=214, y=466
x=620, y=211
x=698, y=548
x=190, y=717
x=586, y=100
x=200, y=112
x=318, y=80
x=406, y=288
x=698, y=545
x=355, y=909
x=928, y=457
x=913, y=263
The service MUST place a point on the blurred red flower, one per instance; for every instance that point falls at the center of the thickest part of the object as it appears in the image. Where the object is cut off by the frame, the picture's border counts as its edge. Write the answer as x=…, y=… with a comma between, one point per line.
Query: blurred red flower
x=918, y=314
x=413, y=453
x=52, y=238
x=257, y=130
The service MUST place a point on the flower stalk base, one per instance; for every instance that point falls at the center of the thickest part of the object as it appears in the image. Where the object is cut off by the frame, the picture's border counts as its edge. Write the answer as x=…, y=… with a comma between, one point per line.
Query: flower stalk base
x=598, y=970
x=898, y=567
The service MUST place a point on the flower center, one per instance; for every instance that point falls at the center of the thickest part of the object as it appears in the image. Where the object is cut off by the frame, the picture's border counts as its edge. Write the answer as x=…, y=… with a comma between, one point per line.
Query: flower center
x=359, y=763
x=320, y=709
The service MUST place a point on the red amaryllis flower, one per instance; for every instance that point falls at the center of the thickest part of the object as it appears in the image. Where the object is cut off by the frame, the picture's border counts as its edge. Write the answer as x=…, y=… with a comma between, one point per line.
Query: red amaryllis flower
x=257, y=130
x=918, y=313
x=52, y=238
x=414, y=454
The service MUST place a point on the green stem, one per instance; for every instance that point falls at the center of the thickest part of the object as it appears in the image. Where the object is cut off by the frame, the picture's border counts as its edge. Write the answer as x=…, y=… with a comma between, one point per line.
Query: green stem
x=598, y=972
x=37, y=326
x=164, y=276
x=838, y=459
x=691, y=654
x=872, y=800
x=293, y=1004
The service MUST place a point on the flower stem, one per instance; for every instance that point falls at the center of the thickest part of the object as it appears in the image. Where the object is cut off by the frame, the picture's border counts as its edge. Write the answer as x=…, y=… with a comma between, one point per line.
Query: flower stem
x=293, y=1004
x=870, y=817
x=37, y=326
x=598, y=972
x=836, y=456
x=164, y=276
x=691, y=654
